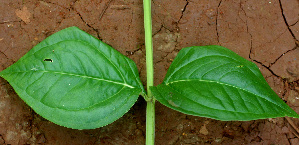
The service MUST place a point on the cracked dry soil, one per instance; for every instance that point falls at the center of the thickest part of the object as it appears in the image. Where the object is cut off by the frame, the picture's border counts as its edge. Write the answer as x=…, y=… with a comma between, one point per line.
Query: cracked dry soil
x=265, y=32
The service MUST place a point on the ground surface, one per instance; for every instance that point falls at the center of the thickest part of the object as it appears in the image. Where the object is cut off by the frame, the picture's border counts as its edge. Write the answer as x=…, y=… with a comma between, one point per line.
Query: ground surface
x=265, y=32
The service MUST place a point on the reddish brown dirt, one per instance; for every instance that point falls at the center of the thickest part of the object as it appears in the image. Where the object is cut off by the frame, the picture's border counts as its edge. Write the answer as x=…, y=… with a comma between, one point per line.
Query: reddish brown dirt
x=265, y=32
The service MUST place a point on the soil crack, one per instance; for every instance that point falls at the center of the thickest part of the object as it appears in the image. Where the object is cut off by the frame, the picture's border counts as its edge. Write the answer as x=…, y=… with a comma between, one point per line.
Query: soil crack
x=282, y=55
x=295, y=23
x=81, y=17
x=267, y=67
x=2, y=141
x=94, y=29
x=160, y=29
x=184, y=9
x=286, y=22
x=247, y=30
x=4, y=54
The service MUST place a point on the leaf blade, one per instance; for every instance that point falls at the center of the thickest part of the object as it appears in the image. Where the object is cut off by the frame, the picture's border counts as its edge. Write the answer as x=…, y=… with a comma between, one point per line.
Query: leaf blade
x=212, y=78
x=70, y=72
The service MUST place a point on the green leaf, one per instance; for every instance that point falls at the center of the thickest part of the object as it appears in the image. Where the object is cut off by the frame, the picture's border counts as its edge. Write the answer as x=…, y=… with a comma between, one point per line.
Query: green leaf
x=214, y=82
x=75, y=80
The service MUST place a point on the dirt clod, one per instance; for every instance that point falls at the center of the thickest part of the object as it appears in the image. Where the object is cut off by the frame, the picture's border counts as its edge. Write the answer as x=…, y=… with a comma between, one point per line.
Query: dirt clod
x=24, y=14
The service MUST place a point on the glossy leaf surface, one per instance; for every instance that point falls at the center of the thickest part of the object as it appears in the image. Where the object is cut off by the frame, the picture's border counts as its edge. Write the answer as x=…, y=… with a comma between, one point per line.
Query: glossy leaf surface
x=215, y=82
x=75, y=80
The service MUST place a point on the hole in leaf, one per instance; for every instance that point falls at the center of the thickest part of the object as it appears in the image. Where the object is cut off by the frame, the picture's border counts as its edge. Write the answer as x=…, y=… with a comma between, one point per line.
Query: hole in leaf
x=50, y=60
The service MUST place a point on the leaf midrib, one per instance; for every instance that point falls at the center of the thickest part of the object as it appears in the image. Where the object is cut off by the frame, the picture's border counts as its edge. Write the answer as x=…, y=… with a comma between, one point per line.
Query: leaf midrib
x=191, y=112
x=92, y=46
x=211, y=81
x=78, y=75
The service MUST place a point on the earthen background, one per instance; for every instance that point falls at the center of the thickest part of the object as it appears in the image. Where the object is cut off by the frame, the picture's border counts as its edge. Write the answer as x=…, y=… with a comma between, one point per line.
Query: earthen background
x=265, y=32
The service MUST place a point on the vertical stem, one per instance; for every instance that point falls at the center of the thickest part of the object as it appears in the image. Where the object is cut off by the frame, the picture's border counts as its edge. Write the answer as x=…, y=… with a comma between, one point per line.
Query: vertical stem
x=150, y=123
x=150, y=109
x=148, y=44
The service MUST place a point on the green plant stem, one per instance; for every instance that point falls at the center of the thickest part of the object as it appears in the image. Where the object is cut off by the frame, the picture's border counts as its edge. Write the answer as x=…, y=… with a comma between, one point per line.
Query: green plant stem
x=150, y=123
x=148, y=44
x=150, y=109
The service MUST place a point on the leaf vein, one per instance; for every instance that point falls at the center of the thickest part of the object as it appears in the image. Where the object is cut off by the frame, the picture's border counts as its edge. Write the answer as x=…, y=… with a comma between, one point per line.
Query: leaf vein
x=210, y=81
x=82, y=76
x=199, y=58
x=211, y=107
